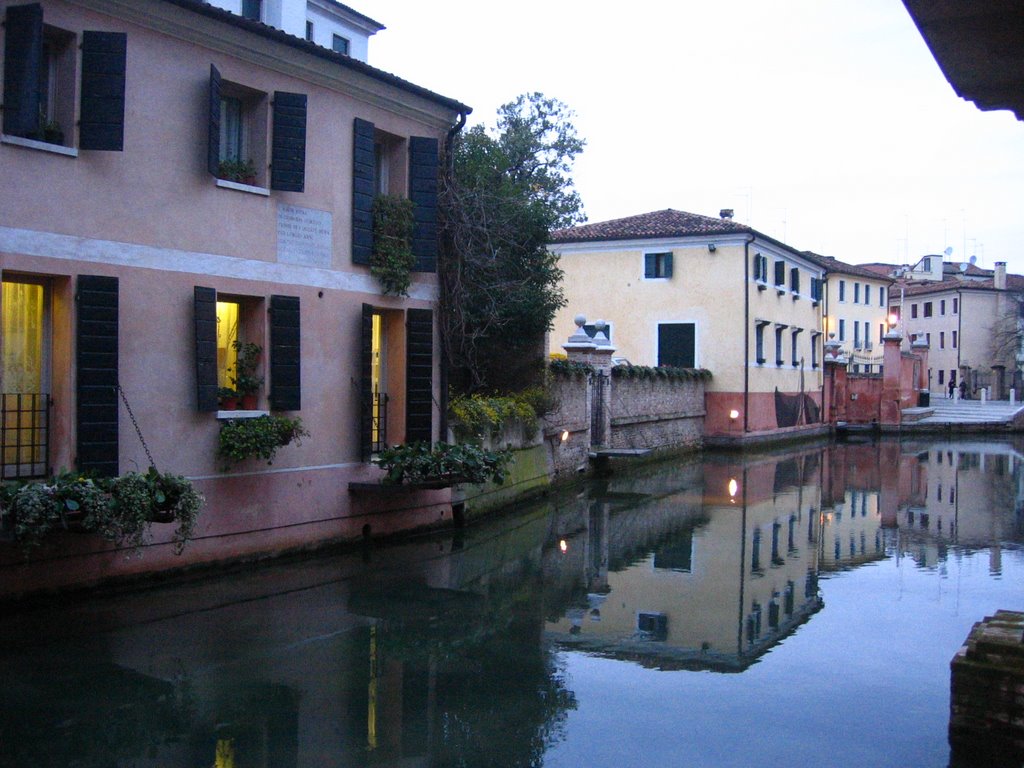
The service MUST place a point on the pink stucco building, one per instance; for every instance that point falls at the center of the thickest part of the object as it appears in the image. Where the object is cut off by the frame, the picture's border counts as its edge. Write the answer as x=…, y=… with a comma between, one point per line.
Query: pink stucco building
x=177, y=177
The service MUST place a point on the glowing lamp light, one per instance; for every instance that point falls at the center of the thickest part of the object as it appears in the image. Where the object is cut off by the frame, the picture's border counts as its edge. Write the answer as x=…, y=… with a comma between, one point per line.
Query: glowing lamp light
x=734, y=414
x=893, y=319
x=733, y=487
x=563, y=545
x=565, y=435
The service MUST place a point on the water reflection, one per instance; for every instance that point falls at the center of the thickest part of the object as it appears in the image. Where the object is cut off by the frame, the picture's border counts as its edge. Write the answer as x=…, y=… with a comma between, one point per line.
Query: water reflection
x=453, y=650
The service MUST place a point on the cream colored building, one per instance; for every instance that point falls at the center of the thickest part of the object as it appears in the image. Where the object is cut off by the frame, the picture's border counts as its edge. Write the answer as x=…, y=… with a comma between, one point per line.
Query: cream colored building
x=687, y=290
x=856, y=311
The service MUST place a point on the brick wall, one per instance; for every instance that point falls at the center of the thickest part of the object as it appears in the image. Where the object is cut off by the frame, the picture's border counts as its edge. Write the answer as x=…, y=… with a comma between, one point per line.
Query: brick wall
x=656, y=413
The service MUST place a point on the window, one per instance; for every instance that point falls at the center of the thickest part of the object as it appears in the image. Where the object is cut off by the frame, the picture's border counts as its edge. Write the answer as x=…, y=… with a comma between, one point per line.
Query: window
x=942, y=374
x=339, y=44
x=760, y=268
x=956, y=305
x=842, y=330
x=780, y=274
x=815, y=337
x=677, y=344
x=794, y=280
x=24, y=401
x=867, y=294
x=795, y=357
x=40, y=71
x=926, y=264
x=927, y=309
x=759, y=341
x=658, y=265
x=239, y=320
x=252, y=9
x=928, y=339
x=309, y=31
x=954, y=339
x=778, y=343
x=239, y=148
x=867, y=335
x=815, y=289
x=913, y=310
x=653, y=626
x=856, y=335
x=842, y=290
x=942, y=345
x=942, y=307
x=856, y=293
x=881, y=332
x=881, y=296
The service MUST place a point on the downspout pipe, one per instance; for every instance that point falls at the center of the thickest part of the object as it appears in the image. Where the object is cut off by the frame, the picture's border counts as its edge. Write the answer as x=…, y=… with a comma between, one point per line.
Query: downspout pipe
x=449, y=171
x=746, y=333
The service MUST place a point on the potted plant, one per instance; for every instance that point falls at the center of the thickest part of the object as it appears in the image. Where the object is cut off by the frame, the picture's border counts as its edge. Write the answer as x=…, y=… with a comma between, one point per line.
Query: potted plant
x=442, y=465
x=246, y=383
x=227, y=398
x=238, y=171
x=260, y=438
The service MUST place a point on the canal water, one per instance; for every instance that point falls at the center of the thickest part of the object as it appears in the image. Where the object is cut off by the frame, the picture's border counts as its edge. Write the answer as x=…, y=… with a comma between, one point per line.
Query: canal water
x=790, y=608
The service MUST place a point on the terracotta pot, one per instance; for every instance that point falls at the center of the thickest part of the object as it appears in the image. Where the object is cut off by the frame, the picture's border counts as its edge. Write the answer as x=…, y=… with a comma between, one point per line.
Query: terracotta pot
x=249, y=402
x=229, y=404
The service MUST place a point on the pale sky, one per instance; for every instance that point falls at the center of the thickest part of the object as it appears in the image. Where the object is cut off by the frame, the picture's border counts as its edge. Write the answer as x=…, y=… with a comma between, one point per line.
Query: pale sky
x=824, y=123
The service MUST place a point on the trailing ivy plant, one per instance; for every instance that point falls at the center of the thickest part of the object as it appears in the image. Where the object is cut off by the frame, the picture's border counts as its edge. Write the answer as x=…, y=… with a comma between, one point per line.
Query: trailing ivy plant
x=668, y=372
x=257, y=438
x=392, y=259
x=119, y=509
x=443, y=464
x=569, y=369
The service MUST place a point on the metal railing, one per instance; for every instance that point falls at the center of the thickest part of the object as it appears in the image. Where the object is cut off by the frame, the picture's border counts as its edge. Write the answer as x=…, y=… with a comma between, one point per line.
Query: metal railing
x=24, y=435
x=379, y=422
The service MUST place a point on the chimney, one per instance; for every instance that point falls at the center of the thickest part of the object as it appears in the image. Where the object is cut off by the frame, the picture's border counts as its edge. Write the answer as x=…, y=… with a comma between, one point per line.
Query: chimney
x=725, y=213
x=999, y=276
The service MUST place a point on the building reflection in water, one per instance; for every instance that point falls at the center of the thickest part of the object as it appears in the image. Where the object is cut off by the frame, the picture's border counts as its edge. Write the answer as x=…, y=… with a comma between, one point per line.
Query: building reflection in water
x=445, y=651
x=704, y=568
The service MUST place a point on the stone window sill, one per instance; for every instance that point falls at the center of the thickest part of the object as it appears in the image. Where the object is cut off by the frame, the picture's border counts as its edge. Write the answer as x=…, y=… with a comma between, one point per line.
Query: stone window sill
x=225, y=415
x=42, y=146
x=250, y=188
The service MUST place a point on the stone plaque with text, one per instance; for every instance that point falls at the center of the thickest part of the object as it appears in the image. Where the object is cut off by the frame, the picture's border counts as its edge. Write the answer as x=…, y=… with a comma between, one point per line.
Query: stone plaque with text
x=303, y=236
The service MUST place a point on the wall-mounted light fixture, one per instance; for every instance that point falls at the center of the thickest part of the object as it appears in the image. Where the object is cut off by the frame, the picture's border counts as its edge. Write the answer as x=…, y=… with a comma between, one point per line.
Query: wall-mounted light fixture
x=712, y=247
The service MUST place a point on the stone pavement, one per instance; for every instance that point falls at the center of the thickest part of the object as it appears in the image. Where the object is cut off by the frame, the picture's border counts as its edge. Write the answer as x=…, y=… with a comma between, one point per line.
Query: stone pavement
x=946, y=411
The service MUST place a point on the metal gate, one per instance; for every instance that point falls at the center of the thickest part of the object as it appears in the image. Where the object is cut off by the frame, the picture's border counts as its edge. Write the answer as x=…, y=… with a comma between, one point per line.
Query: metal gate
x=599, y=381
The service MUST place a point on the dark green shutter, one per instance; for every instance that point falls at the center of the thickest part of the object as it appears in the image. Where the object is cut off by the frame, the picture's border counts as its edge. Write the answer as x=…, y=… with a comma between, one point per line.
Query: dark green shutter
x=205, y=320
x=213, y=125
x=423, y=165
x=288, y=149
x=362, y=191
x=676, y=344
x=104, y=63
x=780, y=273
x=365, y=383
x=23, y=55
x=650, y=264
x=419, y=375
x=96, y=369
x=285, y=344
x=668, y=265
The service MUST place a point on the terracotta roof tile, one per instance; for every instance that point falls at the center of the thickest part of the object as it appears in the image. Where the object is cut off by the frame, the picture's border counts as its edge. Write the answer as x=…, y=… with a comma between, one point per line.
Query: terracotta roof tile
x=666, y=223
x=832, y=264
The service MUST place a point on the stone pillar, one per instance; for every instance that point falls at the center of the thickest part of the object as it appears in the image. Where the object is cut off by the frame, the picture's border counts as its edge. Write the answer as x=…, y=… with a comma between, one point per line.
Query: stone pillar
x=836, y=390
x=889, y=407
x=919, y=346
x=601, y=359
x=999, y=387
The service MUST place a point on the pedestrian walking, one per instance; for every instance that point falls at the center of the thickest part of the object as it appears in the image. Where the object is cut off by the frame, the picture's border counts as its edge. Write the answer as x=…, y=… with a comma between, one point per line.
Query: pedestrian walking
x=963, y=389
x=952, y=388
